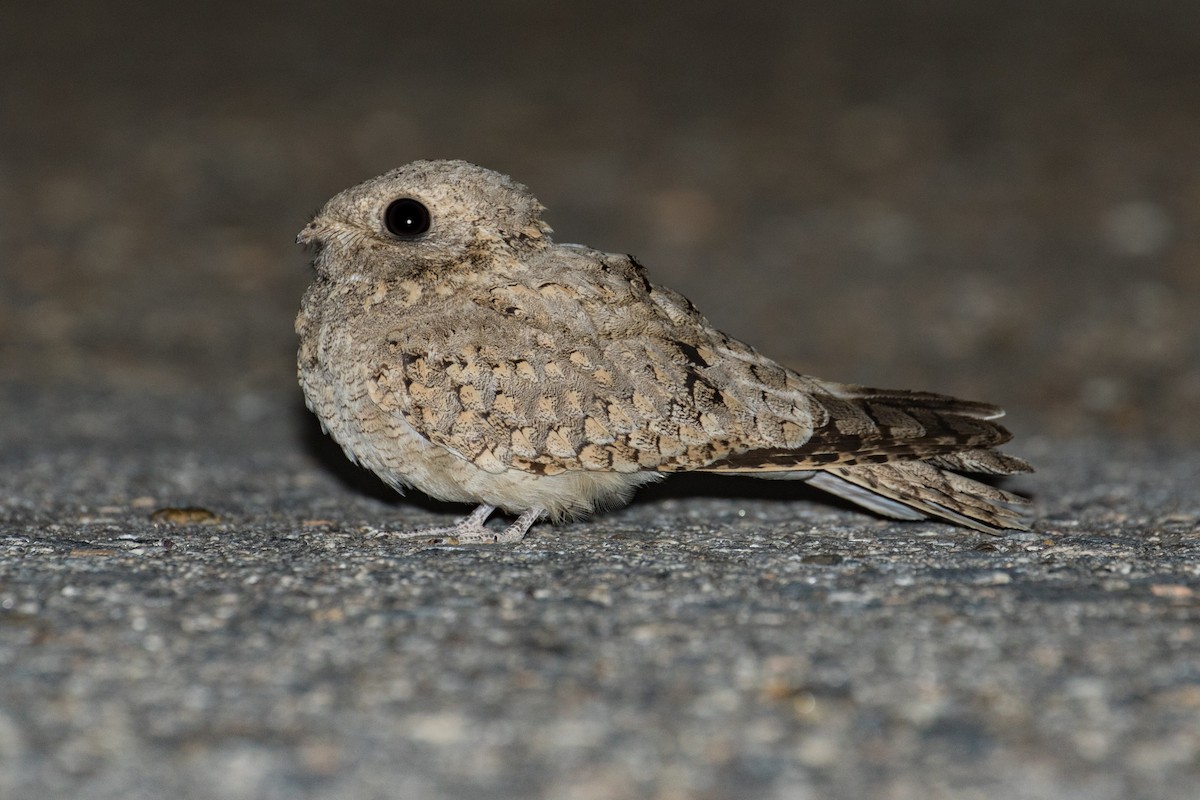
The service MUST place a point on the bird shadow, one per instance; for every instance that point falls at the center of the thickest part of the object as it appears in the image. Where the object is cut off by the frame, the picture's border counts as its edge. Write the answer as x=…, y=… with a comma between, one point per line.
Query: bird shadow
x=696, y=485
x=326, y=452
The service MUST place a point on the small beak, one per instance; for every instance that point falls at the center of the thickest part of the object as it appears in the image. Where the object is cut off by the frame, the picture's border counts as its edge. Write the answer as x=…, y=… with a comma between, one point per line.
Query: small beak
x=310, y=236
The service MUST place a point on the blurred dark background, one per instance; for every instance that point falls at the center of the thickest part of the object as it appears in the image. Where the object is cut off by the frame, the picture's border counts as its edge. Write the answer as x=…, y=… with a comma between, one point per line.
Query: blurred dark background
x=994, y=200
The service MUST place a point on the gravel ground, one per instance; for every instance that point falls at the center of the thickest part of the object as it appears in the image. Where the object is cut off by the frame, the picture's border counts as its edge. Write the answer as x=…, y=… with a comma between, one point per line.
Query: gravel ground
x=997, y=201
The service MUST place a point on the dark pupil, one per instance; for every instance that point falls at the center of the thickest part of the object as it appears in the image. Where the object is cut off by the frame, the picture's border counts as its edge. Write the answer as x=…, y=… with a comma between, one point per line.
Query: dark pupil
x=406, y=218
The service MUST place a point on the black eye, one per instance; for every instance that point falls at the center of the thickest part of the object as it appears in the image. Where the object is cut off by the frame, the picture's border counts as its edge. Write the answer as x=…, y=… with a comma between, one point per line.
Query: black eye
x=406, y=218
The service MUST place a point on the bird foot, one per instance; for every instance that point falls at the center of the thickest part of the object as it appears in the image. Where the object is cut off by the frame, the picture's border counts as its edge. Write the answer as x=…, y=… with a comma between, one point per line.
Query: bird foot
x=472, y=530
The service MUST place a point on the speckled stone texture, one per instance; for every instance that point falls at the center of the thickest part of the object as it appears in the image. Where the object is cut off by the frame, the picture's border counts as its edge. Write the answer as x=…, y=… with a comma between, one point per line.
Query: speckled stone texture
x=994, y=202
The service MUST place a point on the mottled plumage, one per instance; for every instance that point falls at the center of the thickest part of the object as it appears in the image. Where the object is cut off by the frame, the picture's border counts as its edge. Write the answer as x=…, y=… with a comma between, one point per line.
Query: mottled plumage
x=463, y=352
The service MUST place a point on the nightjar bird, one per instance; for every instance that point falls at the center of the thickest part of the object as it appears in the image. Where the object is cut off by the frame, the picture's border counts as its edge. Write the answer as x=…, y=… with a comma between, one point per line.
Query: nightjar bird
x=448, y=343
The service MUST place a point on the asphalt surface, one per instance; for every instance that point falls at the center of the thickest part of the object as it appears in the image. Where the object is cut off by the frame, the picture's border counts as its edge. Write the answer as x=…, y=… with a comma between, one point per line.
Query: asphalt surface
x=198, y=598
x=714, y=639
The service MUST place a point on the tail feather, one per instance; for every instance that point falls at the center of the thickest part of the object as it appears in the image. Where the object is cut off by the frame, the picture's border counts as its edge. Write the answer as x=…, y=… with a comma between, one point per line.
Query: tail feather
x=989, y=462
x=904, y=398
x=930, y=491
x=899, y=453
x=867, y=498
